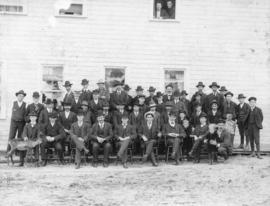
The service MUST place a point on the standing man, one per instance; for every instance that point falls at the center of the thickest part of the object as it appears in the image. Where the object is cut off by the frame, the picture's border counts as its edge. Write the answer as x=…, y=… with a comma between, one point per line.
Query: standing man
x=118, y=97
x=169, y=93
x=185, y=101
x=215, y=95
x=129, y=103
x=200, y=86
x=69, y=96
x=34, y=107
x=86, y=94
x=43, y=119
x=96, y=103
x=229, y=105
x=17, y=117
x=177, y=104
x=242, y=112
x=151, y=97
x=225, y=141
x=139, y=92
x=103, y=91
x=255, y=120
x=223, y=90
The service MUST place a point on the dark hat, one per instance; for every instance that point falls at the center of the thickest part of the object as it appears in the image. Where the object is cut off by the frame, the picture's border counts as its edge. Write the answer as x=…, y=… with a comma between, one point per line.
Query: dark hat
x=182, y=111
x=139, y=88
x=176, y=93
x=80, y=112
x=105, y=105
x=20, y=92
x=95, y=91
x=85, y=103
x=148, y=113
x=151, y=89
x=67, y=84
x=184, y=92
x=200, y=84
x=48, y=101
x=126, y=87
x=173, y=113
x=223, y=89
x=32, y=114
x=159, y=94
x=214, y=84
x=252, y=98
x=203, y=115
x=228, y=93
x=214, y=102
x=241, y=96
x=100, y=113
x=84, y=82
x=117, y=83
x=53, y=115
x=141, y=96
x=169, y=85
x=152, y=104
x=36, y=95
x=125, y=116
x=168, y=104
x=66, y=103
x=136, y=103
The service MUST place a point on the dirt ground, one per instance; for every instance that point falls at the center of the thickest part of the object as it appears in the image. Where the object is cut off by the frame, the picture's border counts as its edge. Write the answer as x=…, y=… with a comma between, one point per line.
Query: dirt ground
x=239, y=181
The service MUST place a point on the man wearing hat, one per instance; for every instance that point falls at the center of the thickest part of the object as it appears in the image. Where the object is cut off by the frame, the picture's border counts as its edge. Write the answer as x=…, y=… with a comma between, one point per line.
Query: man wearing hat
x=185, y=101
x=101, y=135
x=255, y=119
x=88, y=115
x=229, y=105
x=177, y=104
x=214, y=115
x=242, y=112
x=200, y=86
x=96, y=103
x=108, y=116
x=69, y=96
x=157, y=115
x=223, y=90
x=139, y=92
x=30, y=132
x=142, y=105
x=151, y=97
x=174, y=134
x=103, y=90
x=124, y=134
x=129, y=103
x=53, y=135
x=17, y=117
x=86, y=94
x=149, y=132
x=79, y=133
x=166, y=113
x=160, y=103
x=169, y=93
x=34, y=107
x=215, y=95
x=195, y=117
x=198, y=100
x=118, y=114
x=118, y=96
x=43, y=119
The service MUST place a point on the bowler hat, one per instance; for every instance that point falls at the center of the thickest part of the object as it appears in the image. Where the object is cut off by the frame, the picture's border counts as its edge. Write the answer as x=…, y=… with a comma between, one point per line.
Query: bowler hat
x=53, y=115
x=100, y=113
x=148, y=113
x=223, y=89
x=151, y=89
x=126, y=87
x=252, y=98
x=184, y=92
x=32, y=114
x=139, y=88
x=241, y=96
x=67, y=84
x=203, y=115
x=159, y=94
x=214, y=84
x=117, y=83
x=228, y=93
x=169, y=85
x=200, y=84
x=36, y=95
x=48, y=101
x=20, y=92
x=176, y=93
x=84, y=82
x=95, y=91
x=101, y=81
x=80, y=112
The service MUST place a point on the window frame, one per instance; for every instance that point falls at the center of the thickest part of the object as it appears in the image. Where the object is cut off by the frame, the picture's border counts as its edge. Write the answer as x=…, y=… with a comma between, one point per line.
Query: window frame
x=84, y=11
x=184, y=81
x=60, y=90
x=25, y=9
x=114, y=67
x=151, y=12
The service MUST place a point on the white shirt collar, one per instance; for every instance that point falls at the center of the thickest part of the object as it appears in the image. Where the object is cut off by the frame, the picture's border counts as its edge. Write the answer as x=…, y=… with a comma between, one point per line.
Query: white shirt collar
x=19, y=103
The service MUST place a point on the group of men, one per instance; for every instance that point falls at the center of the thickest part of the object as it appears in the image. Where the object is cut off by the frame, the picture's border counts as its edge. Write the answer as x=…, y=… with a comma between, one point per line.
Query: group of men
x=98, y=120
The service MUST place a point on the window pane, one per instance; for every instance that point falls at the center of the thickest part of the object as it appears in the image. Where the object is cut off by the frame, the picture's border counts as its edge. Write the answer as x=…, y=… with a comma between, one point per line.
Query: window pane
x=74, y=9
x=164, y=9
x=11, y=8
x=176, y=78
x=52, y=77
x=112, y=75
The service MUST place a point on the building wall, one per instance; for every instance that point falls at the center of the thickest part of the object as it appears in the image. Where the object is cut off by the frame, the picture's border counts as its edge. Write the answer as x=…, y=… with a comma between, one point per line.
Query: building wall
x=225, y=41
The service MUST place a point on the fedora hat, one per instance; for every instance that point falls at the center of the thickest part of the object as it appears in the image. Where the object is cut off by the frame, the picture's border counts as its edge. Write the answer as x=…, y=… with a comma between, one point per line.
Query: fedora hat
x=223, y=89
x=35, y=95
x=214, y=84
x=80, y=112
x=241, y=96
x=203, y=115
x=228, y=93
x=84, y=82
x=200, y=84
x=139, y=88
x=126, y=87
x=151, y=89
x=159, y=94
x=252, y=98
x=214, y=102
x=100, y=113
x=184, y=92
x=20, y=92
x=148, y=113
x=48, y=101
x=53, y=115
x=67, y=84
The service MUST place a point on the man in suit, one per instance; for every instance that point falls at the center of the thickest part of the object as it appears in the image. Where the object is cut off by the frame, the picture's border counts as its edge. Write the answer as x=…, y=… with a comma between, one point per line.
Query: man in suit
x=79, y=133
x=229, y=105
x=157, y=115
x=160, y=103
x=255, y=120
x=108, y=115
x=86, y=94
x=118, y=96
x=34, y=107
x=88, y=115
x=142, y=105
x=242, y=112
x=177, y=104
x=52, y=135
x=224, y=140
x=149, y=133
x=101, y=135
x=174, y=134
x=129, y=103
x=185, y=101
x=43, y=119
x=195, y=117
x=214, y=115
x=200, y=86
x=96, y=103
x=223, y=90
x=103, y=91
x=169, y=93
x=124, y=134
x=17, y=117
x=118, y=114
x=165, y=115
x=170, y=9
x=139, y=92
x=151, y=97
x=159, y=12
x=69, y=96
x=198, y=100
x=215, y=95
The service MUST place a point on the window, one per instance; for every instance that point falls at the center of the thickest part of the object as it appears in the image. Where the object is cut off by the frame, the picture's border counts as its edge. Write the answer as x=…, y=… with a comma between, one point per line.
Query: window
x=174, y=77
x=12, y=6
x=164, y=9
x=114, y=74
x=70, y=9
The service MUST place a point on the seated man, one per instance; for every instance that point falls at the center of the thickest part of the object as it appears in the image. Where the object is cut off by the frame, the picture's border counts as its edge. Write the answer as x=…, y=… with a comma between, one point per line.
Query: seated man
x=52, y=135
x=79, y=136
x=30, y=132
x=149, y=133
x=124, y=134
x=101, y=135
x=174, y=134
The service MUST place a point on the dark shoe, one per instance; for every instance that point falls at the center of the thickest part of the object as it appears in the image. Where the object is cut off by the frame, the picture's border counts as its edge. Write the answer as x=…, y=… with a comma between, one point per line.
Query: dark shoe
x=154, y=164
x=43, y=163
x=77, y=166
x=105, y=164
x=240, y=146
x=252, y=154
x=259, y=156
x=94, y=164
x=144, y=159
x=125, y=165
x=21, y=164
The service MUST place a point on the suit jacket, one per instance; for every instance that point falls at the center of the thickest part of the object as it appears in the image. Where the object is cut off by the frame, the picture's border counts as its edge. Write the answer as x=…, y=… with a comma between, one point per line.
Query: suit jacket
x=167, y=128
x=120, y=131
x=187, y=106
x=232, y=107
x=149, y=133
x=85, y=96
x=104, y=94
x=214, y=119
x=105, y=132
x=242, y=113
x=161, y=108
x=258, y=117
x=201, y=131
x=136, y=121
x=43, y=119
x=218, y=97
x=150, y=99
x=117, y=117
x=167, y=98
x=70, y=98
x=195, y=119
x=95, y=107
x=67, y=122
x=83, y=131
x=32, y=133
x=18, y=113
x=37, y=108
x=117, y=99
x=55, y=131
x=179, y=106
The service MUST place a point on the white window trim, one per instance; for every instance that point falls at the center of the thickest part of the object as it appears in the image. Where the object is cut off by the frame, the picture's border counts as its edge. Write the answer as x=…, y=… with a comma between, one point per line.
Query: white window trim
x=24, y=13
x=152, y=19
x=3, y=112
x=185, y=81
x=83, y=16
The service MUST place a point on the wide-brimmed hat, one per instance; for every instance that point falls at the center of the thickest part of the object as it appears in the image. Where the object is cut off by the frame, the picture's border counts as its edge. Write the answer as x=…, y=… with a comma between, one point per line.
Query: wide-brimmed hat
x=48, y=101
x=53, y=115
x=159, y=94
x=32, y=114
x=84, y=82
x=200, y=84
x=126, y=87
x=80, y=112
x=148, y=113
x=66, y=104
x=100, y=113
x=85, y=103
x=241, y=96
x=184, y=92
x=252, y=98
x=101, y=81
x=223, y=89
x=139, y=88
x=20, y=92
x=151, y=89
x=67, y=84
x=168, y=85
x=152, y=104
x=213, y=102
x=35, y=95
x=228, y=93
x=214, y=84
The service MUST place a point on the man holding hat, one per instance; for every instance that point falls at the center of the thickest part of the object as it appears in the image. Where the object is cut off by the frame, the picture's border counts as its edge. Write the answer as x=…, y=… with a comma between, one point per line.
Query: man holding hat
x=17, y=117
x=118, y=96
x=215, y=95
x=103, y=91
x=34, y=107
x=174, y=134
x=255, y=120
x=101, y=135
x=43, y=119
x=53, y=135
x=86, y=94
x=124, y=134
x=69, y=96
x=242, y=112
x=200, y=86
x=151, y=97
x=229, y=105
x=169, y=93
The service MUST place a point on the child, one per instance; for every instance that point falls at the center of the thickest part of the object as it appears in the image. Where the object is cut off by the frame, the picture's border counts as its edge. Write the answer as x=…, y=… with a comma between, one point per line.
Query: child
x=230, y=125
x=188, y=140
x=212, y=139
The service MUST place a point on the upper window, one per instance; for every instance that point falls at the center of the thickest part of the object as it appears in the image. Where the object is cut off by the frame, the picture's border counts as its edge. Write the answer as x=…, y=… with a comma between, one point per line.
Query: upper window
x=175, y=78
x=164, y=9
x=114, y=74
x=69, y=8
x=12, y=7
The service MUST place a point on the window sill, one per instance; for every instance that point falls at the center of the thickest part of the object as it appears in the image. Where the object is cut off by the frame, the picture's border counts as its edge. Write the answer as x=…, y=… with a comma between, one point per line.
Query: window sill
x=165, y=20
x=13, y=13
x=71, y=16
